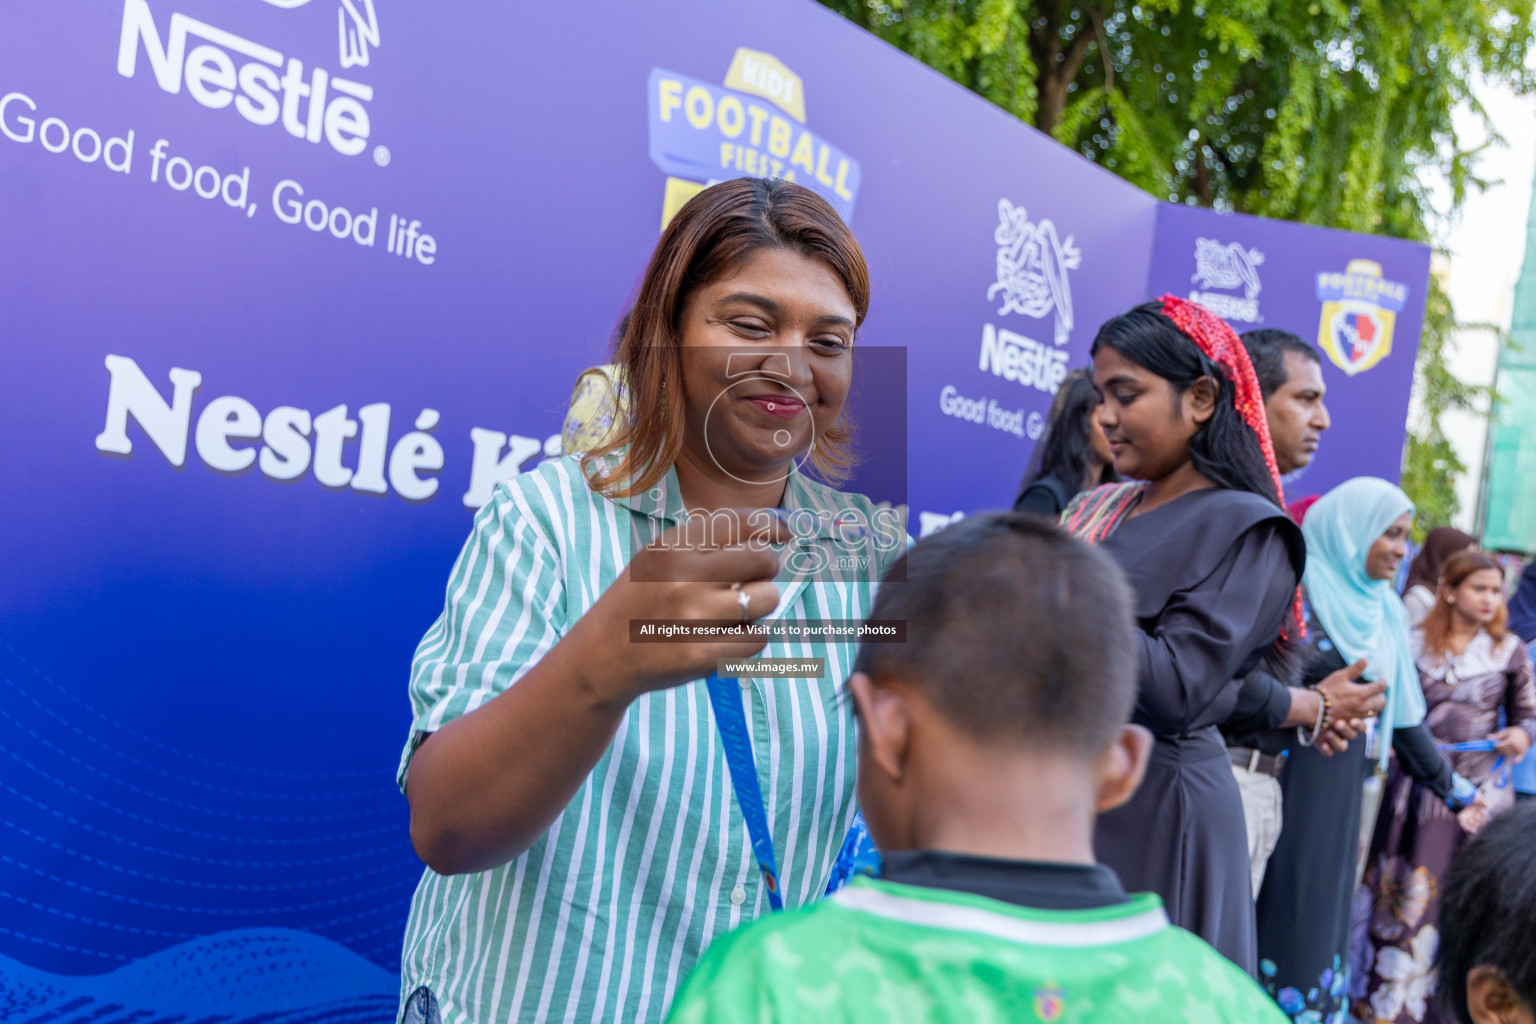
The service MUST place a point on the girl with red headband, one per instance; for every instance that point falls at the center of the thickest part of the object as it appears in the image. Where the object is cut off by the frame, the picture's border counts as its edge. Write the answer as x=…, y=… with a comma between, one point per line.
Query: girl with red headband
x=1214, y=563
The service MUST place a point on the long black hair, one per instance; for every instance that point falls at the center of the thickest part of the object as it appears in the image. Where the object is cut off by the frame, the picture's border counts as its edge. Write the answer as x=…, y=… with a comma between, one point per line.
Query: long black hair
x=1067, y=447
x=1225, y=450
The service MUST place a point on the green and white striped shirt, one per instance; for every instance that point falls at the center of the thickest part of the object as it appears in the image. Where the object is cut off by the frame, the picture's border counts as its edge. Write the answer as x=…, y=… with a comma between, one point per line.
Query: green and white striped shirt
x=605, y=915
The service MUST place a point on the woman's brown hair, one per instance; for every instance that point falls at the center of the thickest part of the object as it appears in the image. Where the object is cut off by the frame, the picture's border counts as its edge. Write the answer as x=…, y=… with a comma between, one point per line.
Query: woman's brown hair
x=711, y=236
x=1437, y=625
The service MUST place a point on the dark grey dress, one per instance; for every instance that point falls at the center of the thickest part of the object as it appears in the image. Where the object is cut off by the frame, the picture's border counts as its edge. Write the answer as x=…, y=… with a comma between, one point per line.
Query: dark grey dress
x=1305, y=905
x=1214, y=573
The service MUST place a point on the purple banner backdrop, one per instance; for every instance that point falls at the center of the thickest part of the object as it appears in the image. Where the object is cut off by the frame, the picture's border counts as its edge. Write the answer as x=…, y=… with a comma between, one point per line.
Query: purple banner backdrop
x=1358, y=298
x=287, y=286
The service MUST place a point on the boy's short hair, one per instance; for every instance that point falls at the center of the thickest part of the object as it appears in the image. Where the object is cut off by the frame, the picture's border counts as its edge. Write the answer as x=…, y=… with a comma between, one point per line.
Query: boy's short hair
x=1014, y=629
x=1267, y=347
x=1488, y=909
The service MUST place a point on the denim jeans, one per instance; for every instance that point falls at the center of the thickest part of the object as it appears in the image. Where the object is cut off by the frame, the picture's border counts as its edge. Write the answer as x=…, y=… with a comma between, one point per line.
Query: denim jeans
x=421, y=1008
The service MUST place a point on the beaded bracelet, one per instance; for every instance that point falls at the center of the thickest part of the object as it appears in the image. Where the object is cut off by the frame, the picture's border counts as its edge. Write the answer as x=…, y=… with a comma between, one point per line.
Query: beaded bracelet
x=1324, y=719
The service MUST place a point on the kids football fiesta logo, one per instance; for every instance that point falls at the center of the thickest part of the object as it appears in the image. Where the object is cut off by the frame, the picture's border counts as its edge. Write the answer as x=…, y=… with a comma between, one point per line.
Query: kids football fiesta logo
x=1360, y=309
x=702, y=133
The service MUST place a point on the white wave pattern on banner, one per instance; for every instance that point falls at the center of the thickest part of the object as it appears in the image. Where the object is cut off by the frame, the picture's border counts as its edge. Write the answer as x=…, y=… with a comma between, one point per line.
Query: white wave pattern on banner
x=268, y=974
x=127, y=860
x=1032, y=265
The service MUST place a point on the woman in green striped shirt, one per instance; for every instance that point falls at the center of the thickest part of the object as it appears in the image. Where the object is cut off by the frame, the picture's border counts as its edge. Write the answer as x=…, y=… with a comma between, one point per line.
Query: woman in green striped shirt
x=568, y=789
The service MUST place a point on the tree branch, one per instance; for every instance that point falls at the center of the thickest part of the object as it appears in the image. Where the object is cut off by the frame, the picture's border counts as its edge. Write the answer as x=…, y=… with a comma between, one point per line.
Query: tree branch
x=1202, y=176
x=1073, y=63
x=1058, y=70
x=1109, y=68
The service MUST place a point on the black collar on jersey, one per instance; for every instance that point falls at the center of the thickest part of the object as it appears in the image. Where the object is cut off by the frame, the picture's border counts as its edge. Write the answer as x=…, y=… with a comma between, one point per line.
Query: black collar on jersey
x=1041, y=885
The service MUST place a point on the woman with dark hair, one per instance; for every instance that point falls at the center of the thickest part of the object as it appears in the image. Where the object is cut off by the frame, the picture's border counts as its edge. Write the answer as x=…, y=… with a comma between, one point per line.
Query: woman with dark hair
x=1424, y=571
x=1473, y=672
x=1214, y=562
x=568, y=788
x=1074, y=454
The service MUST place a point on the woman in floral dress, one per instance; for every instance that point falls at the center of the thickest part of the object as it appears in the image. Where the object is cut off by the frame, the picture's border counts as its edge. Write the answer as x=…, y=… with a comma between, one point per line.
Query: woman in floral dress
x=1472, y=669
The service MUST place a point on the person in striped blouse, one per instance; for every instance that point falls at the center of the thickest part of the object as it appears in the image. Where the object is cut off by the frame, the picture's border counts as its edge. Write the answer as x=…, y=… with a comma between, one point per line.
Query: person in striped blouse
x=568, y=789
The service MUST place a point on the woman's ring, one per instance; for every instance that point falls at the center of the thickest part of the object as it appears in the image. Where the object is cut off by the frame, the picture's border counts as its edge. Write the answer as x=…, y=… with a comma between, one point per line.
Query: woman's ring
x=743, y=600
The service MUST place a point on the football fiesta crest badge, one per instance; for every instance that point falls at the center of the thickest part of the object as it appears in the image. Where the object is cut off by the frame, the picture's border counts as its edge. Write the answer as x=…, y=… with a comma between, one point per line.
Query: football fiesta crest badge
x=1360, y=309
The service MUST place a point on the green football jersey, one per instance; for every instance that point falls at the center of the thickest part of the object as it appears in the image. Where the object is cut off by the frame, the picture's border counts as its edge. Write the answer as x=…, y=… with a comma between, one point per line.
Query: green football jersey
x=881, y=952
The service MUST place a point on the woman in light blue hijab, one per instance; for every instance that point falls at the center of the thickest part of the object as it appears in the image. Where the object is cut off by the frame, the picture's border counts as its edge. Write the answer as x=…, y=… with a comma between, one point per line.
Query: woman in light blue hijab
x=1356, y=537
x=1361, y=613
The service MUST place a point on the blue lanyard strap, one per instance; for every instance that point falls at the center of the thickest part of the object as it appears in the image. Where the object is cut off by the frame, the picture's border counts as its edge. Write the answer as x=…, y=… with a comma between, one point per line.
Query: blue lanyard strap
x=1467, y=745
x=725, y=699
x=1500, y=778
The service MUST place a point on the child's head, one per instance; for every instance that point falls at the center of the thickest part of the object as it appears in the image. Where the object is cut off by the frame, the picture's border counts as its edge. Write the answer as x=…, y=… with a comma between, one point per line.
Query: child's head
x=1020, y=651
x=1488, y=924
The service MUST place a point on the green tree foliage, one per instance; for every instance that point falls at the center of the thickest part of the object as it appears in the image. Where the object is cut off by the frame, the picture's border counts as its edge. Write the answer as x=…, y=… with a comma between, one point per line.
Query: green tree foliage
x=1322, y=111
x=1430, y=464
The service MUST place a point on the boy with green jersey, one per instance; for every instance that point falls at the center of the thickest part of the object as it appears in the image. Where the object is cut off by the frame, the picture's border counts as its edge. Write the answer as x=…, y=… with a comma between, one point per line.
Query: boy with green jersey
x=988, y=742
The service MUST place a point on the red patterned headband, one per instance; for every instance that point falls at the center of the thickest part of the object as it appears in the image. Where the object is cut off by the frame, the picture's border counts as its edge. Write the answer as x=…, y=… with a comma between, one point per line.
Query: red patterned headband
x=1223, y=347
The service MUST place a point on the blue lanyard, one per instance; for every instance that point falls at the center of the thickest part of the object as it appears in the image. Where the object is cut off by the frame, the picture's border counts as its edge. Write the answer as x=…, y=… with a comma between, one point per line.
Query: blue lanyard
x=725, y=698
x=1466, y=745
x=1500, y=778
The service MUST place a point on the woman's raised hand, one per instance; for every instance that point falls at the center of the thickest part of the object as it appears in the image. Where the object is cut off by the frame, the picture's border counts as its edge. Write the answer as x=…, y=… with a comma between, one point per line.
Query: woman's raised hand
x=696, y=570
